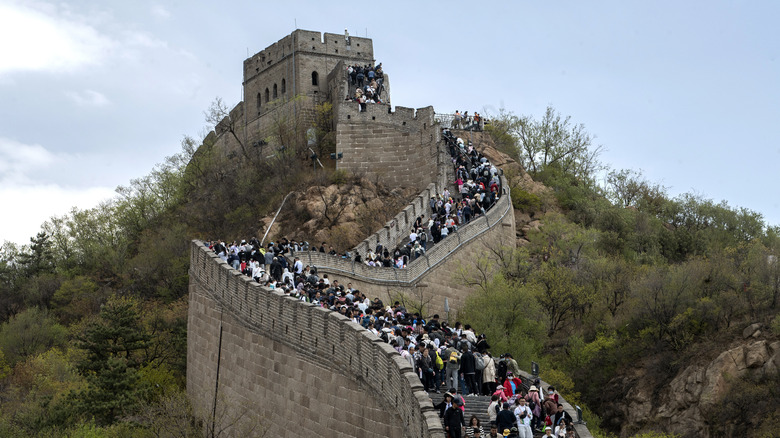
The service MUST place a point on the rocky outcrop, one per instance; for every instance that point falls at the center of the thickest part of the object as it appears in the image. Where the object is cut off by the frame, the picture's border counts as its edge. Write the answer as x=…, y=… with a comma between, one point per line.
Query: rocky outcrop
x=681, y=406
x=340, y=214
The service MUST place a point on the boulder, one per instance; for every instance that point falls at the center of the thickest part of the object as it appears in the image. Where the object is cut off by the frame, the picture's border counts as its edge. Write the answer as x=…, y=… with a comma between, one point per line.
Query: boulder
x=751, y=330
x=522, y=218
x=756, y=355
x=772, y=365
x=729, y=364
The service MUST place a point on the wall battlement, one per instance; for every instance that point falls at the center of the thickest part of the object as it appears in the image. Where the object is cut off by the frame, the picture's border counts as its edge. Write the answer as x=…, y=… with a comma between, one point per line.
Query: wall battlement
x=310, y=43
x=403, y=118
x=398, y=148
x=295, y=364
x=436, y=271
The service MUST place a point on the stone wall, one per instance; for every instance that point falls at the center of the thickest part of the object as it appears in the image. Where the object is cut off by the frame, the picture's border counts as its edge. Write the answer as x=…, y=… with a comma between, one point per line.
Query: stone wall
x=401, y=225
x=397, y=148
x=435, y=276
x=300, y=368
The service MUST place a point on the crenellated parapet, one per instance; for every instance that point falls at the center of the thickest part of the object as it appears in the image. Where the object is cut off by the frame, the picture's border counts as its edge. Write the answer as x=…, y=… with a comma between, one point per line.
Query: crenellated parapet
x=438, y=269
x=297, y=365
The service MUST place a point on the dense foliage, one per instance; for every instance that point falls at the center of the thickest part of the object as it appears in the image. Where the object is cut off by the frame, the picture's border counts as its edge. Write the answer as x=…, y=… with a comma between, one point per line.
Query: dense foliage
x=619, y=272
x=93, y=311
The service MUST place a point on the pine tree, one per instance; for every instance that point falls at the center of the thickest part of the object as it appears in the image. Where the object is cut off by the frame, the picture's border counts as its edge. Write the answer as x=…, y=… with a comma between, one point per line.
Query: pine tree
x=113, y=344
x=40, y=257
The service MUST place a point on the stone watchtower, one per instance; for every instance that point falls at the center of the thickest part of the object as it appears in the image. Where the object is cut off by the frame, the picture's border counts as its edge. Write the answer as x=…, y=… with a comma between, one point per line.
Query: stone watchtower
x=298, y=65
x=397, y=148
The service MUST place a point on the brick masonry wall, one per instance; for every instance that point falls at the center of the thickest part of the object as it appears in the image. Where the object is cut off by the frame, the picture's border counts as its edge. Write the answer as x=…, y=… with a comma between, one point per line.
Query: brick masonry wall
x=400, y=226
x=396, y=148
x=437, y=275
x=303, y=370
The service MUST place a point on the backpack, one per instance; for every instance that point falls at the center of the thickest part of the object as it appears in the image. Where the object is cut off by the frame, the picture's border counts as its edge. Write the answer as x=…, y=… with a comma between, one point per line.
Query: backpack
x=439, y=362
x=532, y=405
x=454, y=357
x=479, y=362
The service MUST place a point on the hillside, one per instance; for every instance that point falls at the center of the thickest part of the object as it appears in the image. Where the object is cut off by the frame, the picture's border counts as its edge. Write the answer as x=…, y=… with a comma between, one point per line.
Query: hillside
x=635, y=304
x=640, y=306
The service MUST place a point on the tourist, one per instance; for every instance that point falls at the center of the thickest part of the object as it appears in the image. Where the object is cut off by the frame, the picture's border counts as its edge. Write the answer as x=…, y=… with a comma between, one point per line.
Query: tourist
x=453, y=419
x=474, y=429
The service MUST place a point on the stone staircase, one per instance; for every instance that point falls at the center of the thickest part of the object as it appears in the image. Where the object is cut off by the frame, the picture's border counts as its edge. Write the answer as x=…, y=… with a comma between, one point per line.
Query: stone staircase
x=475, y=405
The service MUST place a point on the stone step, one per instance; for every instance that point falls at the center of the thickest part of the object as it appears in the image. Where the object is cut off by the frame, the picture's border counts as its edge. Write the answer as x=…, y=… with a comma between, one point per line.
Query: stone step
x=475, y=405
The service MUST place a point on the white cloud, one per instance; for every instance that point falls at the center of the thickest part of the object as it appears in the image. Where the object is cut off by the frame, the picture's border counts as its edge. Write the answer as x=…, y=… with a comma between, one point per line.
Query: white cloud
x=46, y=40
x=88, y=98
x=27, y=195
x=159, y=11
x=27, y=207
x=145, y=40
x=19, y=162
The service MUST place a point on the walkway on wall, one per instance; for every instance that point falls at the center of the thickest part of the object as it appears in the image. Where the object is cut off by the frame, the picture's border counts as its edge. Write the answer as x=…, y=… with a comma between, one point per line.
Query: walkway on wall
x=415, y=270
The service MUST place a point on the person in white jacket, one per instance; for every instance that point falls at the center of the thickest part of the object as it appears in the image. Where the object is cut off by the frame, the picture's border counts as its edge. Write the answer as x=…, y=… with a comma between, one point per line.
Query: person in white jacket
x=488, y=374
x=524, y=416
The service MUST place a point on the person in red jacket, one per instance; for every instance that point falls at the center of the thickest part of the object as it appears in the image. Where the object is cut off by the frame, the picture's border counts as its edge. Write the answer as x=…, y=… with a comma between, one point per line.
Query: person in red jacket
x=512, y=385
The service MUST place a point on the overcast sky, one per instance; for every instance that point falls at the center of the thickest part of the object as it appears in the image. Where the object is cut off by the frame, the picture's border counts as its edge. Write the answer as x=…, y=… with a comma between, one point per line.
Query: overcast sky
x=93, y=94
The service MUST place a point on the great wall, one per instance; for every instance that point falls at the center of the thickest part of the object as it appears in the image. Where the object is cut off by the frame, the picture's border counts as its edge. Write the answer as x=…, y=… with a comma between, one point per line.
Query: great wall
x=298, y=366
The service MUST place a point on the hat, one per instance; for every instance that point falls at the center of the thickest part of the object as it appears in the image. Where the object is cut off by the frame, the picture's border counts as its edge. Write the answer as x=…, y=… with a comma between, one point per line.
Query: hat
x=456, y=401
x=447, y=394
x=509, y=373
x=533, y=388
x=506, y=405
x=548, y=428
x=506, y=432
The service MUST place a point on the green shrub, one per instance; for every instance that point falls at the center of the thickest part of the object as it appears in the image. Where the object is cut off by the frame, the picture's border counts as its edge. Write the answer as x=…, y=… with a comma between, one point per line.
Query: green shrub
x=339, y=177
x=525, y=201
x=776, y=325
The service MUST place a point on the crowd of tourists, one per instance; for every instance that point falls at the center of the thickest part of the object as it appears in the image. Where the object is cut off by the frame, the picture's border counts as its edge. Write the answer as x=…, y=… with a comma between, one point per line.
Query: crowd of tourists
x=478, y=189
x=451, y=359
x=368, y=82
x=468, y=122
x=454, y=359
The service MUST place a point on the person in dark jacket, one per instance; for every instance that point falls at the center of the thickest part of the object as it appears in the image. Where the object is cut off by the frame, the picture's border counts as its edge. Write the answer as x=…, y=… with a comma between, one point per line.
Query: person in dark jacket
x=454, y=421
x=444, y=404
x=482, y=344
x=276, y=269
x=468, y=366
x=506, y=418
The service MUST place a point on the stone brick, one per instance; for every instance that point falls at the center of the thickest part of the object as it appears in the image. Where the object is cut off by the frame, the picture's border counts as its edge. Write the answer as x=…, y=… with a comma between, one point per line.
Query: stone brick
x=267, y=373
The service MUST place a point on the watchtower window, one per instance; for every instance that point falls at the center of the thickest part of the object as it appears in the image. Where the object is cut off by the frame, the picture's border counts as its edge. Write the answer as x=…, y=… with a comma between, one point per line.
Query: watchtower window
x=275, y=94
x=284, y=86
x=315, y=79
x=259, y=102
x=267, y=95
